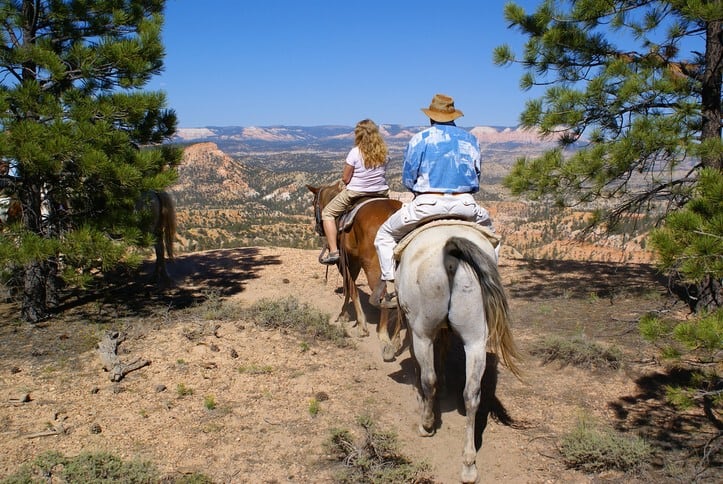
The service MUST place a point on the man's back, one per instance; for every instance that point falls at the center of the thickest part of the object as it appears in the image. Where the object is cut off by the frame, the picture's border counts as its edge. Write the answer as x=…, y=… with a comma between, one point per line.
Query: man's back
x=442, y=158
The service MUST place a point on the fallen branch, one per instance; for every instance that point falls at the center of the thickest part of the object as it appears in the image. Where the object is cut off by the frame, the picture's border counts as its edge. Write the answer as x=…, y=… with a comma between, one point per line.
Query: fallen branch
x=57, y=429
x=108, y=349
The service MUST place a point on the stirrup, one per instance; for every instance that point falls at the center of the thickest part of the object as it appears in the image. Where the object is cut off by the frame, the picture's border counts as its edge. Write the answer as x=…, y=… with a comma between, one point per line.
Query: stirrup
x=330, y=259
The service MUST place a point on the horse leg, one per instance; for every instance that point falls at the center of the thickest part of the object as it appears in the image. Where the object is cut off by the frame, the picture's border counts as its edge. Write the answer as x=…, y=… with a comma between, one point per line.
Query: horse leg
x=160, y=274
x=466, y=316
x=361, y=319
x=352, y=273
x=389, y=352
x=476, y=360
x=389, y=345
x=423, y=348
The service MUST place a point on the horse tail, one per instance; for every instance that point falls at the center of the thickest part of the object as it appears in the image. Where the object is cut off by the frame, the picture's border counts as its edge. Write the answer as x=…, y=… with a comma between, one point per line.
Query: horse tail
x=167, y=221
x=496, y=307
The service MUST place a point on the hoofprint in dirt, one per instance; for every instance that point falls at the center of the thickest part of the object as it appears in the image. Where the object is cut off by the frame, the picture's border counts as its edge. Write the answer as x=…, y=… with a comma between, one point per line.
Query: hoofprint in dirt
x=56, y=395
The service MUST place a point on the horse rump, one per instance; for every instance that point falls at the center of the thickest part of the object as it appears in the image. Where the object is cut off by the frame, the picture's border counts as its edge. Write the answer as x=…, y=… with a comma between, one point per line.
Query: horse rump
x=496, y=307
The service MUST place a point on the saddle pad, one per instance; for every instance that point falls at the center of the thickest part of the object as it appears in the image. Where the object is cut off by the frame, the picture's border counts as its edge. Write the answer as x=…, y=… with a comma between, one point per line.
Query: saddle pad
x=347, y=218
x=491, y=236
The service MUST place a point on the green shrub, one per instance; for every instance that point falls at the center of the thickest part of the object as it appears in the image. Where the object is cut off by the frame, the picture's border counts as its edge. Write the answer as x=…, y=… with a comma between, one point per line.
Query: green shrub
x=696, y=346
x=87, y=468
x=94, y=468
x=594, y=450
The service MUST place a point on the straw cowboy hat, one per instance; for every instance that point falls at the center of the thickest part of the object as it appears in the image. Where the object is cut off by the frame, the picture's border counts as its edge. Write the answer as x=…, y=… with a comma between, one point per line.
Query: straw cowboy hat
x=441, y=109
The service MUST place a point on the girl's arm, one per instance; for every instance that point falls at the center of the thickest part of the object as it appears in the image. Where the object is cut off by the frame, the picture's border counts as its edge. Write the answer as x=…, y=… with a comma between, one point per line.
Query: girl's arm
x=347, y=173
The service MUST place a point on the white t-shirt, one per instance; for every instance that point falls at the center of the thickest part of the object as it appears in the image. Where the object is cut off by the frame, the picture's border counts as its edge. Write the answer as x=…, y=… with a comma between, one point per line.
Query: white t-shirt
x=363, y=179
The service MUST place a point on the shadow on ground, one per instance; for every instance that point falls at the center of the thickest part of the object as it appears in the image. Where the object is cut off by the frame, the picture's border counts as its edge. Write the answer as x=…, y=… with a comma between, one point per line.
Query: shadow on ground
x=195, y=278
x=533, y=278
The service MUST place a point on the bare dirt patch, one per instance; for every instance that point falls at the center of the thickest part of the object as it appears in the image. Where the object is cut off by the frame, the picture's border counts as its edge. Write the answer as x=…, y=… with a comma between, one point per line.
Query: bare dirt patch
x=56, y=396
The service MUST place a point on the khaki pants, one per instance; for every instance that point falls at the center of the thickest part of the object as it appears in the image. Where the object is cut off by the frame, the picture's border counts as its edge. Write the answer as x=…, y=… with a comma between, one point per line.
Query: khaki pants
x=343, y=200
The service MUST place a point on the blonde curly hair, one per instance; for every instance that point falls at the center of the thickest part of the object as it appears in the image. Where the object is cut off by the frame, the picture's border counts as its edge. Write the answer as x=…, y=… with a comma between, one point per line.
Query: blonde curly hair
x=371, y=144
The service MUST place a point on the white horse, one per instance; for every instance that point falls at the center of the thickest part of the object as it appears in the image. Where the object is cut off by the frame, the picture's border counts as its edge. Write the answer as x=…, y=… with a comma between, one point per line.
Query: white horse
x=447, y=277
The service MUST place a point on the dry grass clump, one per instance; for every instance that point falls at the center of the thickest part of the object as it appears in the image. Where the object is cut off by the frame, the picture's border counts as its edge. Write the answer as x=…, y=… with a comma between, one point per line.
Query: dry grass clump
x=578, y=352
x=289, y=313
x=375, y=459
x=591, y=449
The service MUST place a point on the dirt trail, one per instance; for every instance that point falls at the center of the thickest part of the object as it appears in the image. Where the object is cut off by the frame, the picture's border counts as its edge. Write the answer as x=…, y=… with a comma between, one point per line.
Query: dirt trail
x=540, y=405
x=262, y=381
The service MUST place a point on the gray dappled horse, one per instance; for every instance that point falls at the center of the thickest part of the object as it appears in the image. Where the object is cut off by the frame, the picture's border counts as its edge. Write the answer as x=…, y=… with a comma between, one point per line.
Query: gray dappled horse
x=447, y=277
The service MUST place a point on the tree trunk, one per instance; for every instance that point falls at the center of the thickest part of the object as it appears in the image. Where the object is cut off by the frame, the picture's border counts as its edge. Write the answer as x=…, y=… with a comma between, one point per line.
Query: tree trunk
x=53, y=283
x=708, y=292
x=34, y=306
x=711, y=89
x=708, y=295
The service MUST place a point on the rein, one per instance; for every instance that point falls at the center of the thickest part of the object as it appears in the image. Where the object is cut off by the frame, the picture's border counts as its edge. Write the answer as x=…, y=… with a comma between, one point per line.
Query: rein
x=319, y=228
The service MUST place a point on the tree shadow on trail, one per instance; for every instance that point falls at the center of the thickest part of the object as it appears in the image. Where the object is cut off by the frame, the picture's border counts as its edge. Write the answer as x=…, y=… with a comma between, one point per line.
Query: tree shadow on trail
x=555, y=278
x=692, y=438
x=195, y=277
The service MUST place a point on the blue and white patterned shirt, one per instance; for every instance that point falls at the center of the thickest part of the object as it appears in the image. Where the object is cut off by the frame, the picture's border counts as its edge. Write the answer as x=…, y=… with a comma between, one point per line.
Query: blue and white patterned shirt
x=442, y=158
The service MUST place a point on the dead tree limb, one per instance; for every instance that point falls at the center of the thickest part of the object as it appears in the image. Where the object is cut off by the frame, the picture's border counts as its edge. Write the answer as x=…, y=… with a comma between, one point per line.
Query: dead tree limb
x=108, y=349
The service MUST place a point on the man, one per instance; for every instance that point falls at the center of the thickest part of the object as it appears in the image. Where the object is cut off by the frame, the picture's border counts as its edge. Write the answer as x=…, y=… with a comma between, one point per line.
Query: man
x=442, y=169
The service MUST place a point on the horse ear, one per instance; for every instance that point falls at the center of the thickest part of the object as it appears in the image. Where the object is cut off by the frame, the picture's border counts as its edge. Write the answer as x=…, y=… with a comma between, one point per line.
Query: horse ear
x=313, y=190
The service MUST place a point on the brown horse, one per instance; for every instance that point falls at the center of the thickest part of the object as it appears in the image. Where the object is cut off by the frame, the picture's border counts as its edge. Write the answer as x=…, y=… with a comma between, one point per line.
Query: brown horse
x=357, y=252
x=163, y=228
x=162, y=225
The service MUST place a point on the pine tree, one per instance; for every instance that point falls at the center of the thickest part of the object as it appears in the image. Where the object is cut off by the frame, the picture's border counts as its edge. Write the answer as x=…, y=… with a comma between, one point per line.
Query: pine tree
x=82, y=138
x=636, y=86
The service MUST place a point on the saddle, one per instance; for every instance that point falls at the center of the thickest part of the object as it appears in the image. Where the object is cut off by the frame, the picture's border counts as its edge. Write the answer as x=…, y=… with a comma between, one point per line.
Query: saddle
x=487, y=233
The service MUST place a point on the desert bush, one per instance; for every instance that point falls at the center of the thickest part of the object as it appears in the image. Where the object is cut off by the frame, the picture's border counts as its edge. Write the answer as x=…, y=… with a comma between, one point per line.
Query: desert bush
x=289, y=313
x=375, y=459
x=592, y=449
x=214, y=307
x=578, y=352
x=94, y=468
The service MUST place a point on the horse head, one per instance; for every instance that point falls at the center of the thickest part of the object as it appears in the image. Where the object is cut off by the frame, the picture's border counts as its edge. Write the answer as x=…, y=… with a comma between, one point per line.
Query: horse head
x=322, y=196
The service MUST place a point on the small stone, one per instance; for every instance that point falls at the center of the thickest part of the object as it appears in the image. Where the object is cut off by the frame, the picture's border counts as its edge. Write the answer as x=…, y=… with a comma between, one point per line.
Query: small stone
x=94, y=390
x=20, y=398
x=233, y=353
x=95, y=428
x=160, y=388
x=15, y=370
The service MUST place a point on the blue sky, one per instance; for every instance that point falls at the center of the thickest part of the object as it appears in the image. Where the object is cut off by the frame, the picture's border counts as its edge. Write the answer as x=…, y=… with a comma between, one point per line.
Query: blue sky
x=322, y=62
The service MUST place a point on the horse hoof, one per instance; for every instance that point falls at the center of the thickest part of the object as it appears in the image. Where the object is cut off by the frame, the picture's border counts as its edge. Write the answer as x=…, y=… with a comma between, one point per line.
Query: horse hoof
x=469, y=473
x=389, y=353
x=424, y=432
